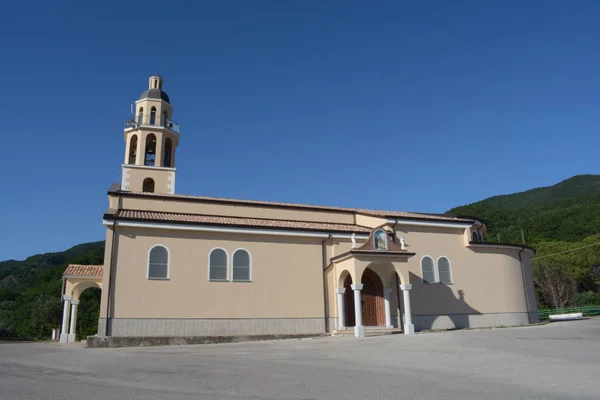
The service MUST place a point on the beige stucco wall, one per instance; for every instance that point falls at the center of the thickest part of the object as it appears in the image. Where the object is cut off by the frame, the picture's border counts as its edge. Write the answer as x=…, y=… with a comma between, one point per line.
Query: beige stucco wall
x=164, y=179
x=198, y=207
x=287, y=277
x=485, y=280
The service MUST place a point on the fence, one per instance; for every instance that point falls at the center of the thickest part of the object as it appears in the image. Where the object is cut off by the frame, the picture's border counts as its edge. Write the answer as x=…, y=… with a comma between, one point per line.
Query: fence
x=586, y=311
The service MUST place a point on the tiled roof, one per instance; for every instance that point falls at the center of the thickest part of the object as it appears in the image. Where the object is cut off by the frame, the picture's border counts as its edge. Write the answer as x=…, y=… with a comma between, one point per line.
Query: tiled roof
x=376, y=213
x=84, y=270
x=148, y=216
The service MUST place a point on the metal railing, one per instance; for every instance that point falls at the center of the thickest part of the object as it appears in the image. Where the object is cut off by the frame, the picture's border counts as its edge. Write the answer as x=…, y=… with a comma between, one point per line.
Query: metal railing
x=144, y=120
x=545, y=313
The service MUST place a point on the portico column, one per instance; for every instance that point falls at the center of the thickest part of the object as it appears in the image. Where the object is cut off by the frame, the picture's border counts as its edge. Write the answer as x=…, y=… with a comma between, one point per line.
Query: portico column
x=359, y=329
x=65, y=321
x=341, y=310
x=409, y=328
x=71, y=337
x=387, y=296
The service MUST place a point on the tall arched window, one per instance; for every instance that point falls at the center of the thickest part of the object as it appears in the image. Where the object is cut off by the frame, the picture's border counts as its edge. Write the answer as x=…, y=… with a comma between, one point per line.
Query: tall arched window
x=217, y=265
x=141, y=116
x=150, y=153
x=152, y=115
x=474, y=236
x=165, y=118
x=242, y=266
x=148, y=185
x=158, y=263
x=444, y=270
x=132, y=149
x=428, y=269
x=168, y=153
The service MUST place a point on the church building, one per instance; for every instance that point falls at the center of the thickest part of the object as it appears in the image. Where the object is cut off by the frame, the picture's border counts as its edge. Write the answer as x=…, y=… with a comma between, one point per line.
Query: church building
x=183, y=266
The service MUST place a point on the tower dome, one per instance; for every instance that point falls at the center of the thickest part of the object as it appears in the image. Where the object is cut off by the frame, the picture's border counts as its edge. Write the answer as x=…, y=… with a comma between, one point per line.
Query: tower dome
x=154, y=90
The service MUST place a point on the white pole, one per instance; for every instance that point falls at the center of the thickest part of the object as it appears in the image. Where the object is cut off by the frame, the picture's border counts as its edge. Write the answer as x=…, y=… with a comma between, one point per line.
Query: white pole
x=359, y=329
x=387, y=296
x=71, y=337
x=65, y=321
x=341, y=309
x=409, y=328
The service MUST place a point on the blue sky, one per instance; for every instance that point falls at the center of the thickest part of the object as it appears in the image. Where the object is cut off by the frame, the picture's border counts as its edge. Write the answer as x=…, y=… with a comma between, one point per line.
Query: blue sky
x=412, y=106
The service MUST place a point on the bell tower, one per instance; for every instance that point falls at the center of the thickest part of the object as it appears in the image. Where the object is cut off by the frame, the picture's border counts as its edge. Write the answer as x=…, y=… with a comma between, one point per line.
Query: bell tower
x=151, y=138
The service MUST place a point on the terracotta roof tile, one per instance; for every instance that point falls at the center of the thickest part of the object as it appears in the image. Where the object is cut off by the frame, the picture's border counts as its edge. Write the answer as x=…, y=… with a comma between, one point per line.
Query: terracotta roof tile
x=139, y=215
x=376, y=213
x=84, y=270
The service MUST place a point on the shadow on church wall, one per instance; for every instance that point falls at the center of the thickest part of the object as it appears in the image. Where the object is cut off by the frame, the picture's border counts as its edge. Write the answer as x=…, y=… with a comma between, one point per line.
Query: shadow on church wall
x=436, y=306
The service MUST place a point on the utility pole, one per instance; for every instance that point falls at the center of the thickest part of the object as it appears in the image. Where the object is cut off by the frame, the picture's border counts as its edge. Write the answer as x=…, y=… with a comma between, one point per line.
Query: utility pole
x=498, y=238
x=522, y=236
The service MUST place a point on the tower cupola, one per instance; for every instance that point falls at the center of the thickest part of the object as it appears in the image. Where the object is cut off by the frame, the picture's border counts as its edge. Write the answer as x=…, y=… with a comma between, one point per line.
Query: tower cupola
x=151, y=137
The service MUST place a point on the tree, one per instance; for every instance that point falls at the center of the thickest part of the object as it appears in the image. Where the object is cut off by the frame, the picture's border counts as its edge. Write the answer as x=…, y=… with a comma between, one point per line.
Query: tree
x=556, y=284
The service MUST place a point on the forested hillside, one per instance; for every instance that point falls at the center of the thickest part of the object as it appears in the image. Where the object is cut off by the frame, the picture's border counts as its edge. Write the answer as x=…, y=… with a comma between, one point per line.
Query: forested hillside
x=553, y=219
x=30, y=303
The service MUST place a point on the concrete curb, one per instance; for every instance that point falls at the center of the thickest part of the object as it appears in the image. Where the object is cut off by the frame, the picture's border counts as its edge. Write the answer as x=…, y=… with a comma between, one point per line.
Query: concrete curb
x=144, y=341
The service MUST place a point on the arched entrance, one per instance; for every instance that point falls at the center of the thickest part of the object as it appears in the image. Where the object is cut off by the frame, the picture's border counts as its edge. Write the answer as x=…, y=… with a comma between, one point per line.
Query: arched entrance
x=373, y=308
x=349, y=302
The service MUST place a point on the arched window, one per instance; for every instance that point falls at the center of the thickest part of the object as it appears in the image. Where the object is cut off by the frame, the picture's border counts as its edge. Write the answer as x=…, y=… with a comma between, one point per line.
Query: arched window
x=141, y=116
x=168, y=152
x=165, y=118
x=475, y=236
x=444, y=270
x=132, y=149
x=217, y=265
x=158, y=263
x=428, y=269
x=242, y=265
x=148, y=185
x=152, y=115
x=150, y=152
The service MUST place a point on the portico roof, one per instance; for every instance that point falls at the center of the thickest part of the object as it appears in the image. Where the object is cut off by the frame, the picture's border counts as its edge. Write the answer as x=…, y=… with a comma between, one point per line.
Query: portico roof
x=84, y=271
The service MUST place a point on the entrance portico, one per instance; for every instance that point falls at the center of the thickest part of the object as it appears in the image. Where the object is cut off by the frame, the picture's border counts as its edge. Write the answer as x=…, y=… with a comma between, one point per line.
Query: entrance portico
x=367, y=279
x=76, y=279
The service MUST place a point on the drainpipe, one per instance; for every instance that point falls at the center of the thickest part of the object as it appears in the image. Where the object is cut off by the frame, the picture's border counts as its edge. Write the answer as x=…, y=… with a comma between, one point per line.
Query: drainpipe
x=325, y=298
x=524, y=282
x=110, y=278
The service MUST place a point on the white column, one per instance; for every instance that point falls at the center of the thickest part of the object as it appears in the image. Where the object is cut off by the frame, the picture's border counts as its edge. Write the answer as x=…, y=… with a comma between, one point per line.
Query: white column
x=387, y=296
x=341, y=309
x=65, y=321
x=359, y=329
x=409, y=328
x=71, y=337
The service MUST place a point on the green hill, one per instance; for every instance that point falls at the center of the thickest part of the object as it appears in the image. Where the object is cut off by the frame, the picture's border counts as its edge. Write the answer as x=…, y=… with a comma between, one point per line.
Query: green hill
x=567, y=211
x=30, y=303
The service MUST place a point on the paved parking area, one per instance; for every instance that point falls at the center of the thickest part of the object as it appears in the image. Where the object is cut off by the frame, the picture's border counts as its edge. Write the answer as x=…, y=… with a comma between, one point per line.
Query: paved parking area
x=556, y=361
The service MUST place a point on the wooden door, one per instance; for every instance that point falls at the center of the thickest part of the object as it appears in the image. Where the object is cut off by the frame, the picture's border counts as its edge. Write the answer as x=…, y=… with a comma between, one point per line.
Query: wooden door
x=372, y=299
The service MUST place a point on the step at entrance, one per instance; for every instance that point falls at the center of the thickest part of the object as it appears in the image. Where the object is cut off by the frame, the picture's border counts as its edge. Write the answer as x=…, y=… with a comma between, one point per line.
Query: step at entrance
x=369, y=331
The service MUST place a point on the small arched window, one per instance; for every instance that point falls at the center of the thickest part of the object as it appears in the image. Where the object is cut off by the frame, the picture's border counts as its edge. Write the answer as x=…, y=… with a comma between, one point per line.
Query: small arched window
x=148, y=185
x=165, y=118
x=132, y=149
x=158, y=263
x=444, y=270
x=168, y=153
x=217, y=265
x=242, y=266
x=150, y=152
x=141, y=116
x=152, y=115
x=428, y=269
x=475, y=236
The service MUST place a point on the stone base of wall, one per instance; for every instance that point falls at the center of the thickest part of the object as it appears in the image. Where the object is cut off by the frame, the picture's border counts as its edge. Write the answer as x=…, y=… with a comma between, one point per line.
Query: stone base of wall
x=140, y=341
x=175, y=327
x=461, y=321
